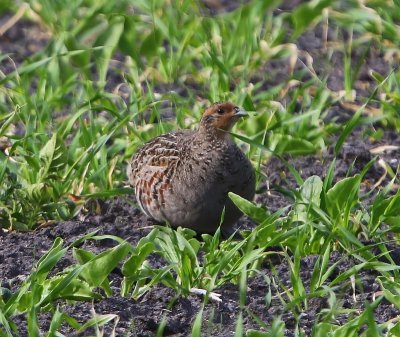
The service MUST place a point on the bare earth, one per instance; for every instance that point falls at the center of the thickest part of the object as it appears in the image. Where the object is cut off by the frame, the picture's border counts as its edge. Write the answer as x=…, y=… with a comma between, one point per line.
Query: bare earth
x=20, y=251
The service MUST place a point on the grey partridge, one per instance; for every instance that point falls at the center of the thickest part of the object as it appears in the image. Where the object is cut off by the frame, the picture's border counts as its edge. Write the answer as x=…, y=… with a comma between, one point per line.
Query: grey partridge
x=183, y=177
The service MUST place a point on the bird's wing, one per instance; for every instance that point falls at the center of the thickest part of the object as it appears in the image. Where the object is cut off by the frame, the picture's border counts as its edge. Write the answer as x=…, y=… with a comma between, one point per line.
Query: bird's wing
x=152, y=167
x=149, y=182
x=161, y=151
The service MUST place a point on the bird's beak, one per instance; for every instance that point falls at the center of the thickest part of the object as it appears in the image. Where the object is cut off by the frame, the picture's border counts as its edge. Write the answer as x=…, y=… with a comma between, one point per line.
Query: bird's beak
x=240, y=112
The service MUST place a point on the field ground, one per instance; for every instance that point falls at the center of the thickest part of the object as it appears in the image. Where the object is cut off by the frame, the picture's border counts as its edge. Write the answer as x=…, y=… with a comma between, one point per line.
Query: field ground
x=321, y=255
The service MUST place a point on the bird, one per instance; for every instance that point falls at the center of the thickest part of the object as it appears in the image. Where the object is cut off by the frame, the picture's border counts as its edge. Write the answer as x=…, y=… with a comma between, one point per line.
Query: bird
x=183, y=178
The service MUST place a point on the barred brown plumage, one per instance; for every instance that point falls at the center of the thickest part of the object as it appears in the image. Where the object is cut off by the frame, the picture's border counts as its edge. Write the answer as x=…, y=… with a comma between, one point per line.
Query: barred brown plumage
x=183, y=177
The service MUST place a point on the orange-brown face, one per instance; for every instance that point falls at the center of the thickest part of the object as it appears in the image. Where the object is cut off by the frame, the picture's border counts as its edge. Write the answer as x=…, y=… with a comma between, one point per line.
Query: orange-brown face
x=222, y=115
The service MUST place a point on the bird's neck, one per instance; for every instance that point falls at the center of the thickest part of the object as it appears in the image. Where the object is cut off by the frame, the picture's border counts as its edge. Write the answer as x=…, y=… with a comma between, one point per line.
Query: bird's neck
x=209, y=133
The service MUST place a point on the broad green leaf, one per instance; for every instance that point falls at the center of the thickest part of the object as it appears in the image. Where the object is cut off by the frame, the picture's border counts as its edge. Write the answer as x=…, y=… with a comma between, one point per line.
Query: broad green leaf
x=257, y=213
x=343, y=194
x=305, y=14
x=96, y=270
x=55, y=292
x=310, y=197
x=280, y=144
x=70, y=287
x=82, y=256
x=47, y=153
x=311, y=190
x=151, y=43
x=129, y=34
x=248, y=103
x=136, y=260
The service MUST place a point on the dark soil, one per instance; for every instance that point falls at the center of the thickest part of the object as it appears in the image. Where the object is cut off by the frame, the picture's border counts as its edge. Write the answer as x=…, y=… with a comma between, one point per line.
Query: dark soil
x=20, y=251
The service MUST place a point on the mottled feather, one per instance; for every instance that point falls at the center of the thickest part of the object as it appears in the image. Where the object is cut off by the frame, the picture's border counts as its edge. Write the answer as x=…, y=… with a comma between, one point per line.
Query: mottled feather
x=184, y=177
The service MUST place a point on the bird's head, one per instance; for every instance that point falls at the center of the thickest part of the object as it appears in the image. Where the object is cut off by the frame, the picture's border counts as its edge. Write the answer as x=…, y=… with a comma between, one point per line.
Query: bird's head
x=222, y=116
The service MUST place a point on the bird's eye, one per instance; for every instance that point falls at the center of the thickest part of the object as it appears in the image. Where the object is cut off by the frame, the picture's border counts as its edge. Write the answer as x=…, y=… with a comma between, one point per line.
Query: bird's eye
x=220, y=111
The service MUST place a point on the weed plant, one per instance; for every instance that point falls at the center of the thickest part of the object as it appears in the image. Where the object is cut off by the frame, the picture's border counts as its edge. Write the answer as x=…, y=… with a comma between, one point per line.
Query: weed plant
x=106, y=81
